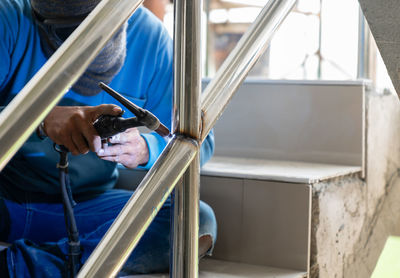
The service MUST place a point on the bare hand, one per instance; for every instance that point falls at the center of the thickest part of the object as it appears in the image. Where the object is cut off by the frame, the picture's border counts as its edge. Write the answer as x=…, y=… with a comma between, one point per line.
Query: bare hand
x=72, y=126
x=129, y=148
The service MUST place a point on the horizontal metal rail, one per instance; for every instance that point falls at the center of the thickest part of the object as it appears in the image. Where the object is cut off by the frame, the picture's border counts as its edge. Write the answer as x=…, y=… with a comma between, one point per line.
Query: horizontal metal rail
x=234, y=70
x=30, y=106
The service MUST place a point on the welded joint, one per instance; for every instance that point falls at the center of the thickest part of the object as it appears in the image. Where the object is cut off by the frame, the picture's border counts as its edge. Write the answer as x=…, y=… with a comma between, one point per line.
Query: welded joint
x=190, y=137
x=187, y=139
x=202, y=124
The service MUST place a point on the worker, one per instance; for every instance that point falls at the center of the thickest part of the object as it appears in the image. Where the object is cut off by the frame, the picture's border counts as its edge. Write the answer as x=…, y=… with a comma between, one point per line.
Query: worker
x=157, y=7
x=136, y=62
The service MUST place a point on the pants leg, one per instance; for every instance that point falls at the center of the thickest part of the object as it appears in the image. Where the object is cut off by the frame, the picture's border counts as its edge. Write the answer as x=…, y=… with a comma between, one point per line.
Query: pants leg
x=37, y=231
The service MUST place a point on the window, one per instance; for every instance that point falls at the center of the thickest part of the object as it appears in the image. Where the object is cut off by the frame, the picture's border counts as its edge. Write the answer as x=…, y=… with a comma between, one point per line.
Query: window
x=320, y=39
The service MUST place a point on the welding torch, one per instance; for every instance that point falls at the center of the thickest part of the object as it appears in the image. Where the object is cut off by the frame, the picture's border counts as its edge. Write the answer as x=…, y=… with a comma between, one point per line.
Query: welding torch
x=107, y=125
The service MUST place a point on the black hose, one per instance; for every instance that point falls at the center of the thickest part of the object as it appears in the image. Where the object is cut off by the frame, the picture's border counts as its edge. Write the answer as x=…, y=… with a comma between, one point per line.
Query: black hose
x=74, y=250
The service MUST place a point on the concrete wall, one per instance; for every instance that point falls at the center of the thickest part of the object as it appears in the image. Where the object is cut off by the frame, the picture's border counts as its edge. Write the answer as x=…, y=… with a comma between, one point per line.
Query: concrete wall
x=384, y=22
x=353, y=217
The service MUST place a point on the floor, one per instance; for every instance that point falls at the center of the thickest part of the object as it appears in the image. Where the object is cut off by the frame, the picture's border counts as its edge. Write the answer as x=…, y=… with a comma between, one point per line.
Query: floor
x=222, y=269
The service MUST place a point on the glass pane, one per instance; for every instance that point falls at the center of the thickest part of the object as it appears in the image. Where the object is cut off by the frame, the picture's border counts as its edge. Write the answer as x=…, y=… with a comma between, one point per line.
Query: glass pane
x=318, y=40
x=293, y=45
x=339, y=41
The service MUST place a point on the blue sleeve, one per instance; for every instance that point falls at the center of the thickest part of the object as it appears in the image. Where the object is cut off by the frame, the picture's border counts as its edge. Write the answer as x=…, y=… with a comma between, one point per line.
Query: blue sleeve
x=156, y=144
x=207, y=148
x=7, y=18
x=160, y=103
x=159, y=100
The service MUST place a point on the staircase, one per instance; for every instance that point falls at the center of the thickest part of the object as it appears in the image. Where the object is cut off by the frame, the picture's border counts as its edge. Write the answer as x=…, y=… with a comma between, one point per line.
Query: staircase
x=290, y=182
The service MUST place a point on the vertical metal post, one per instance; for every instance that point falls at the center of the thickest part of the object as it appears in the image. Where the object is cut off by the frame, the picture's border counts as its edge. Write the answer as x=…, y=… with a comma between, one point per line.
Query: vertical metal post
x=364, y=67
x=187, y=88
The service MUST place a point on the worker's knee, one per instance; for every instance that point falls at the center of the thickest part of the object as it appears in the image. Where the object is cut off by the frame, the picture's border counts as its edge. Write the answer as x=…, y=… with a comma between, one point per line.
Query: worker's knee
x=208, y=228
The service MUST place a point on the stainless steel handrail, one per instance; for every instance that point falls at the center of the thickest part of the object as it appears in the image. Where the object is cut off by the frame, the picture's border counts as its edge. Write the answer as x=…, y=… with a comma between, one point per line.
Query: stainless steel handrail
x=282, y=7
x=187, y=118
x=31, y=105
x=121, y=238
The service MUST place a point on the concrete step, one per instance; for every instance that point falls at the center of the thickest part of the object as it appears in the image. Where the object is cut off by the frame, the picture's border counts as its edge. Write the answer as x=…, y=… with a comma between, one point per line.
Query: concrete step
x=210, y=268
x=275, y=170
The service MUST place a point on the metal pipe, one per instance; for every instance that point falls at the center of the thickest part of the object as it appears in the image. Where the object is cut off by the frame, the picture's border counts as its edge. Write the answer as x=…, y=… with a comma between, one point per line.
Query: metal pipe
x=187, y=63
x=187, y=89
x=364, y=49
x=124, y=234
x=186, y=223
x=234, y=70
x=30, y=106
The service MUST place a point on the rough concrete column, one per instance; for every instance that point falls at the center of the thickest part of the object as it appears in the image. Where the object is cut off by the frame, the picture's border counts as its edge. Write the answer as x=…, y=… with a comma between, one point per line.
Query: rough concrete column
x=353, y=217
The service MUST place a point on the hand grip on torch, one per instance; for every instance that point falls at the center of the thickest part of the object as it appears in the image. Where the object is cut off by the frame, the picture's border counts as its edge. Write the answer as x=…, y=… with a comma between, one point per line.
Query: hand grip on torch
x=107, y=125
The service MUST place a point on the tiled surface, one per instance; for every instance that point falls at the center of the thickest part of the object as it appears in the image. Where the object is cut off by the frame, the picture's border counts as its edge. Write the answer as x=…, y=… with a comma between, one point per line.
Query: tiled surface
x=260, y=222
x=313, y=122
x=222, y=269
x=276, y=221
x=276, y=170
x=250, y=168
x=225, y=196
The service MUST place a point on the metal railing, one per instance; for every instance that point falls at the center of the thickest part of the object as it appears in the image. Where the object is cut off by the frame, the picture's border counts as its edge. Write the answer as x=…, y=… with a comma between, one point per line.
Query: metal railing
x=179, y=162
x=186, y=121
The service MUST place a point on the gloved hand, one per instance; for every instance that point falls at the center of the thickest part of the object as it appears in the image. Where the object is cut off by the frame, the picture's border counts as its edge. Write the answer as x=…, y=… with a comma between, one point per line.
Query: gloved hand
x=128, y=148
x=72, y=126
